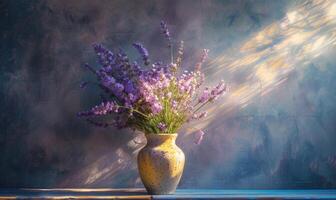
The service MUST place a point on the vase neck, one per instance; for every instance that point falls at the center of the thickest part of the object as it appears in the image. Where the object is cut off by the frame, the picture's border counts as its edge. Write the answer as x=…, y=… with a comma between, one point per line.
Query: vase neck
x=160, y=139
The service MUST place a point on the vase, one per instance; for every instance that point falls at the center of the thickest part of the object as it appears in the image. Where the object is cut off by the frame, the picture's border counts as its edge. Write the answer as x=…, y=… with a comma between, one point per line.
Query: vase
x=161, y=164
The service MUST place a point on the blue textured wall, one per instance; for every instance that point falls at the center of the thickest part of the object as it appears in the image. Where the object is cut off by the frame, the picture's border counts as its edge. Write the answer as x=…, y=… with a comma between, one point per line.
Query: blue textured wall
x=274, y=129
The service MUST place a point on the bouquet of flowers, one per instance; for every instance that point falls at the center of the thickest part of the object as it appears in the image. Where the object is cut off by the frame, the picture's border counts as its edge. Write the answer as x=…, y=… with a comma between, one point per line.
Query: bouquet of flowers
x=150, y=97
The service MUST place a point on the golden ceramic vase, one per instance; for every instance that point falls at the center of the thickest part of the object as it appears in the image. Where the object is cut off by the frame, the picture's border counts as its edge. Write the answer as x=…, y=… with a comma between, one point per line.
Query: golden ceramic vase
x=161, y=163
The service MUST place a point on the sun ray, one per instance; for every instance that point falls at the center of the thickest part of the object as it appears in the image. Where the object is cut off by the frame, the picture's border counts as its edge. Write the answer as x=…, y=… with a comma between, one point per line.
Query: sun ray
x=306, y=32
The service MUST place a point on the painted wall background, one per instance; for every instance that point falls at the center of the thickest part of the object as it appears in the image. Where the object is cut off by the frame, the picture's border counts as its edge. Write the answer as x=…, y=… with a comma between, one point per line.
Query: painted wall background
x=275, y=129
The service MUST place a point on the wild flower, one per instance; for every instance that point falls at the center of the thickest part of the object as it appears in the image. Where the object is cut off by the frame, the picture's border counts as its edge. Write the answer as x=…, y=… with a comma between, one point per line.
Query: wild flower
x=152, y=98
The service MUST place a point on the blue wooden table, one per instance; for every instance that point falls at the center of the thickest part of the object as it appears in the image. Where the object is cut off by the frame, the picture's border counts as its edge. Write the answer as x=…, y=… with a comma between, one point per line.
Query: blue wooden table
x=139, y=193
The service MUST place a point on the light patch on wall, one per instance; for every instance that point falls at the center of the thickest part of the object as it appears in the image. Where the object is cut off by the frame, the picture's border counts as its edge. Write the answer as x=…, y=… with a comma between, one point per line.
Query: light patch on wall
x=307, y=31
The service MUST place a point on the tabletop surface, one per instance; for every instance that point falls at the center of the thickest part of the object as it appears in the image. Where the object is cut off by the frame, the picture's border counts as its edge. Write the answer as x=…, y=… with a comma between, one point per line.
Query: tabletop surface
x=139, y=193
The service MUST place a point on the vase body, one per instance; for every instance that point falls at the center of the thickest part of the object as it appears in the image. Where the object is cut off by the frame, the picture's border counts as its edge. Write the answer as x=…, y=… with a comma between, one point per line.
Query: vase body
x=161, y=163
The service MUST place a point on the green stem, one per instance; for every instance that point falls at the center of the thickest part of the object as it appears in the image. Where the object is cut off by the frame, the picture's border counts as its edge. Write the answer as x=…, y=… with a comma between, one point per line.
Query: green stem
x=196, y=104
x=141, y=113
x=202, y=105
x=171, y=53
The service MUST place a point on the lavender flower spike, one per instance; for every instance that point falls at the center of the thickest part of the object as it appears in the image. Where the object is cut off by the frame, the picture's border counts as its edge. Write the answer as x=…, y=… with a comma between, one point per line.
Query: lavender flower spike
x=180, y=54
x=105, y=56
x=165, y=32
x=200, y=115
x=102, y=109
x=143, y=52
x=204, y=56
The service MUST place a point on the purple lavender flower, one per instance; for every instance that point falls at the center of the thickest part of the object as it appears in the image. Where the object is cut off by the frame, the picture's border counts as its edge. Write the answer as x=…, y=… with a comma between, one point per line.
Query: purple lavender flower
x=200, y=115
x=156, y=107
x=211, y=95
x=137, y=69
x=162, y=126
x=218, y=90
x=180, y=55
x=204, y=56
x=135, y=96
x=129, y=87
x=165, y=32
x=119, y=87
x=102, y=109
x=143, y=52
x=107, y=81
x=174, y=104
x=105, y=56
x=122, y=57
x=132, y=98
x=205, y=96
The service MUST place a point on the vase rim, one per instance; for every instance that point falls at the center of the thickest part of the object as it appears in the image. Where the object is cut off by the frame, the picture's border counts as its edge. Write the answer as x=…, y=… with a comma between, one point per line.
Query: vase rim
x=163, y=134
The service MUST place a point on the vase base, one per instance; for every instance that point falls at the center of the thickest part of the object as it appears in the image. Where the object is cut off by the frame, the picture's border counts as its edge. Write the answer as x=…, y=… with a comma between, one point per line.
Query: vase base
x=160, y=192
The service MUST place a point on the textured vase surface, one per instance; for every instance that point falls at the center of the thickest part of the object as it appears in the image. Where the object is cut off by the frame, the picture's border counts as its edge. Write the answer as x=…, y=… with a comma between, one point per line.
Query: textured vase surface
x=161, y=163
